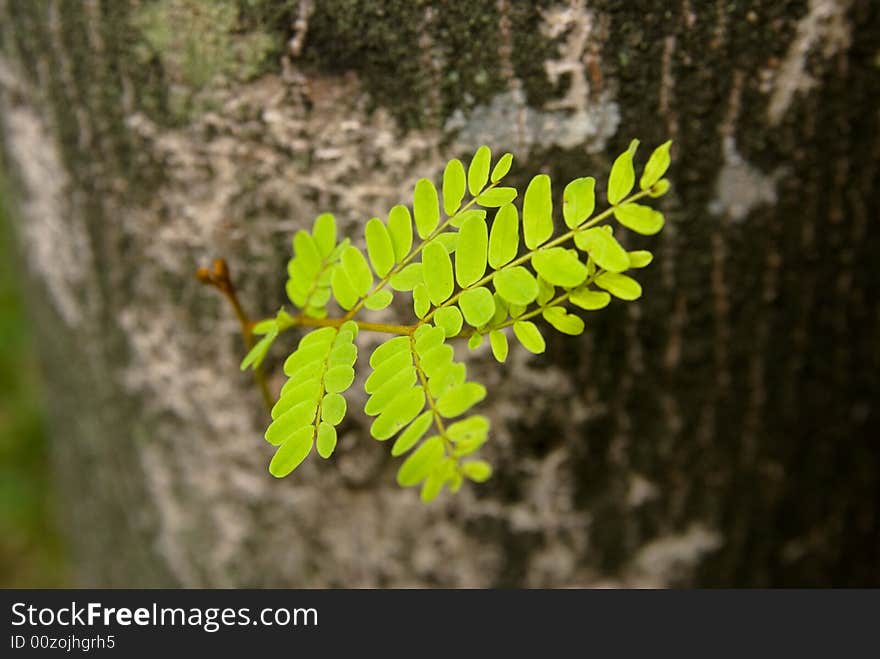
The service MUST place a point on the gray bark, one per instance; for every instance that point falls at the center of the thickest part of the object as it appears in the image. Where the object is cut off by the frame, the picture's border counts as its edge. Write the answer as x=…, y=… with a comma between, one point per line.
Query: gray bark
x=715, y=433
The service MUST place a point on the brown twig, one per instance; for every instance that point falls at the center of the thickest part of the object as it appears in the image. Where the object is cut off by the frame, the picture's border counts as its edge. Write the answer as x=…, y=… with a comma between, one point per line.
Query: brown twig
x=218, y=277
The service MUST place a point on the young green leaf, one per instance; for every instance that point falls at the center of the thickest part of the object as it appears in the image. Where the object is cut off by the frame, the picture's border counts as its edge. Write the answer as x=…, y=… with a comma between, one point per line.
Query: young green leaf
x=414, y=432
x=516, y=285
x=640, y=258
x=478, y=172
x=470, y=257
x=460, y=399
x=603, y=248
x=659, y=189
x=477, y=305
x=498, y=341
x=326, y=443
x=546, y=291
x=291, y=453
x=529, y=335
x=401, y=232
x=426, y=207
x=401, y=381
x=496, y=197
x=324, y=233
x=641, y=219
x=657, y=165
x=578, y=201
x=589, y=300
x=355, y=266
x=420, y=463
x=398, y=413
x=389, y=349
x=343, y=290
x=408, y=278
x=502, y=167
x=338, y=379
x=458, y=220
x=256, y=354
x=307, y=254
x=333, y=408
x=622, y=178
x=538, y=212
x=619, y=285
x=379, y=300
x=563, y=321
x=379, y=247
x=437, y=272
x=478, y=471
x=560, y=267
x=448, y=318
x=504, y=237
x=421, y=300
x=453, y=186
x=475, y=340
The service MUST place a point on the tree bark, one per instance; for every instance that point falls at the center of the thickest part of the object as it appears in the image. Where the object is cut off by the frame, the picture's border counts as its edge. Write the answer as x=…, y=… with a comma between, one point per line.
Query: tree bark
x=717, y=432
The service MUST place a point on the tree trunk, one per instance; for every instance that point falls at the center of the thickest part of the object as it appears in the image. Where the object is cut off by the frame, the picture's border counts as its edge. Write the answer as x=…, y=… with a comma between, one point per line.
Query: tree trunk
x=714, y=433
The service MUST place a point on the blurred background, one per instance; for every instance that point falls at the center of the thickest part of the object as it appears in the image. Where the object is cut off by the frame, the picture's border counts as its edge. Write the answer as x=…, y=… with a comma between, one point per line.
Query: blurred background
x=721, y=431
x=31, y=551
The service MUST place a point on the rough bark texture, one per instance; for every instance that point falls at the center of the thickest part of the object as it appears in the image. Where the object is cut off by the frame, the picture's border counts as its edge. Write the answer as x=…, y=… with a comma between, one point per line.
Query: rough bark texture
x=722, y=431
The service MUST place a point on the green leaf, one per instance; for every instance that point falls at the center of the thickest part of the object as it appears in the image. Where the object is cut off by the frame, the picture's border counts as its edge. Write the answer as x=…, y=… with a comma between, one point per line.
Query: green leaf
x=516, y=285
x=578, y=201
x=307, y=254
x=473, y=427
x=398, y=413
x=494, y=197
x=420, y=463
x=603, y=248
x=560, y=267
x=538, y=212
x=659, y=189
x=641, y=219
x=389, y=369
x=437, y=272
x=657, y=165
x=324, y=233
x=448, y=239
x=427, y=338
x=291, y=453
x=355, y=266
x=326, y=443
x=546, y=291
x=426, y=207
x=589, y=300
x=478, y=471
x=401, y=381
x=477, y=305
x=498, y=340
x=343, y=289
x=475, y=340
x=640, y=258
x=338, y=379
x=449, y=318
x=563, y=321
x=450, y=376
x=421, y=300
x=379, y=300
x=622, y=178
x=500, y=310
x=333, y=408
x=460, y=399
x=389, y=349
x=410, y=437
x=256, y=354
x=504, y=237
x=433, y=483
x=299, y=415
x=529, y=335
x=408, y=278
x=619, y=286
x=502, y=167
x=478, y=172
x=379, y=247
x=470, y=257
x=401, y=232
x=436, y=361
x=462, y=217
x=453, y=186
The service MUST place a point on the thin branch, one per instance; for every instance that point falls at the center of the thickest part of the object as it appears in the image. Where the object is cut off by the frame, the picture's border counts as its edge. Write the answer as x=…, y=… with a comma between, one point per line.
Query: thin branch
x=218, y=277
